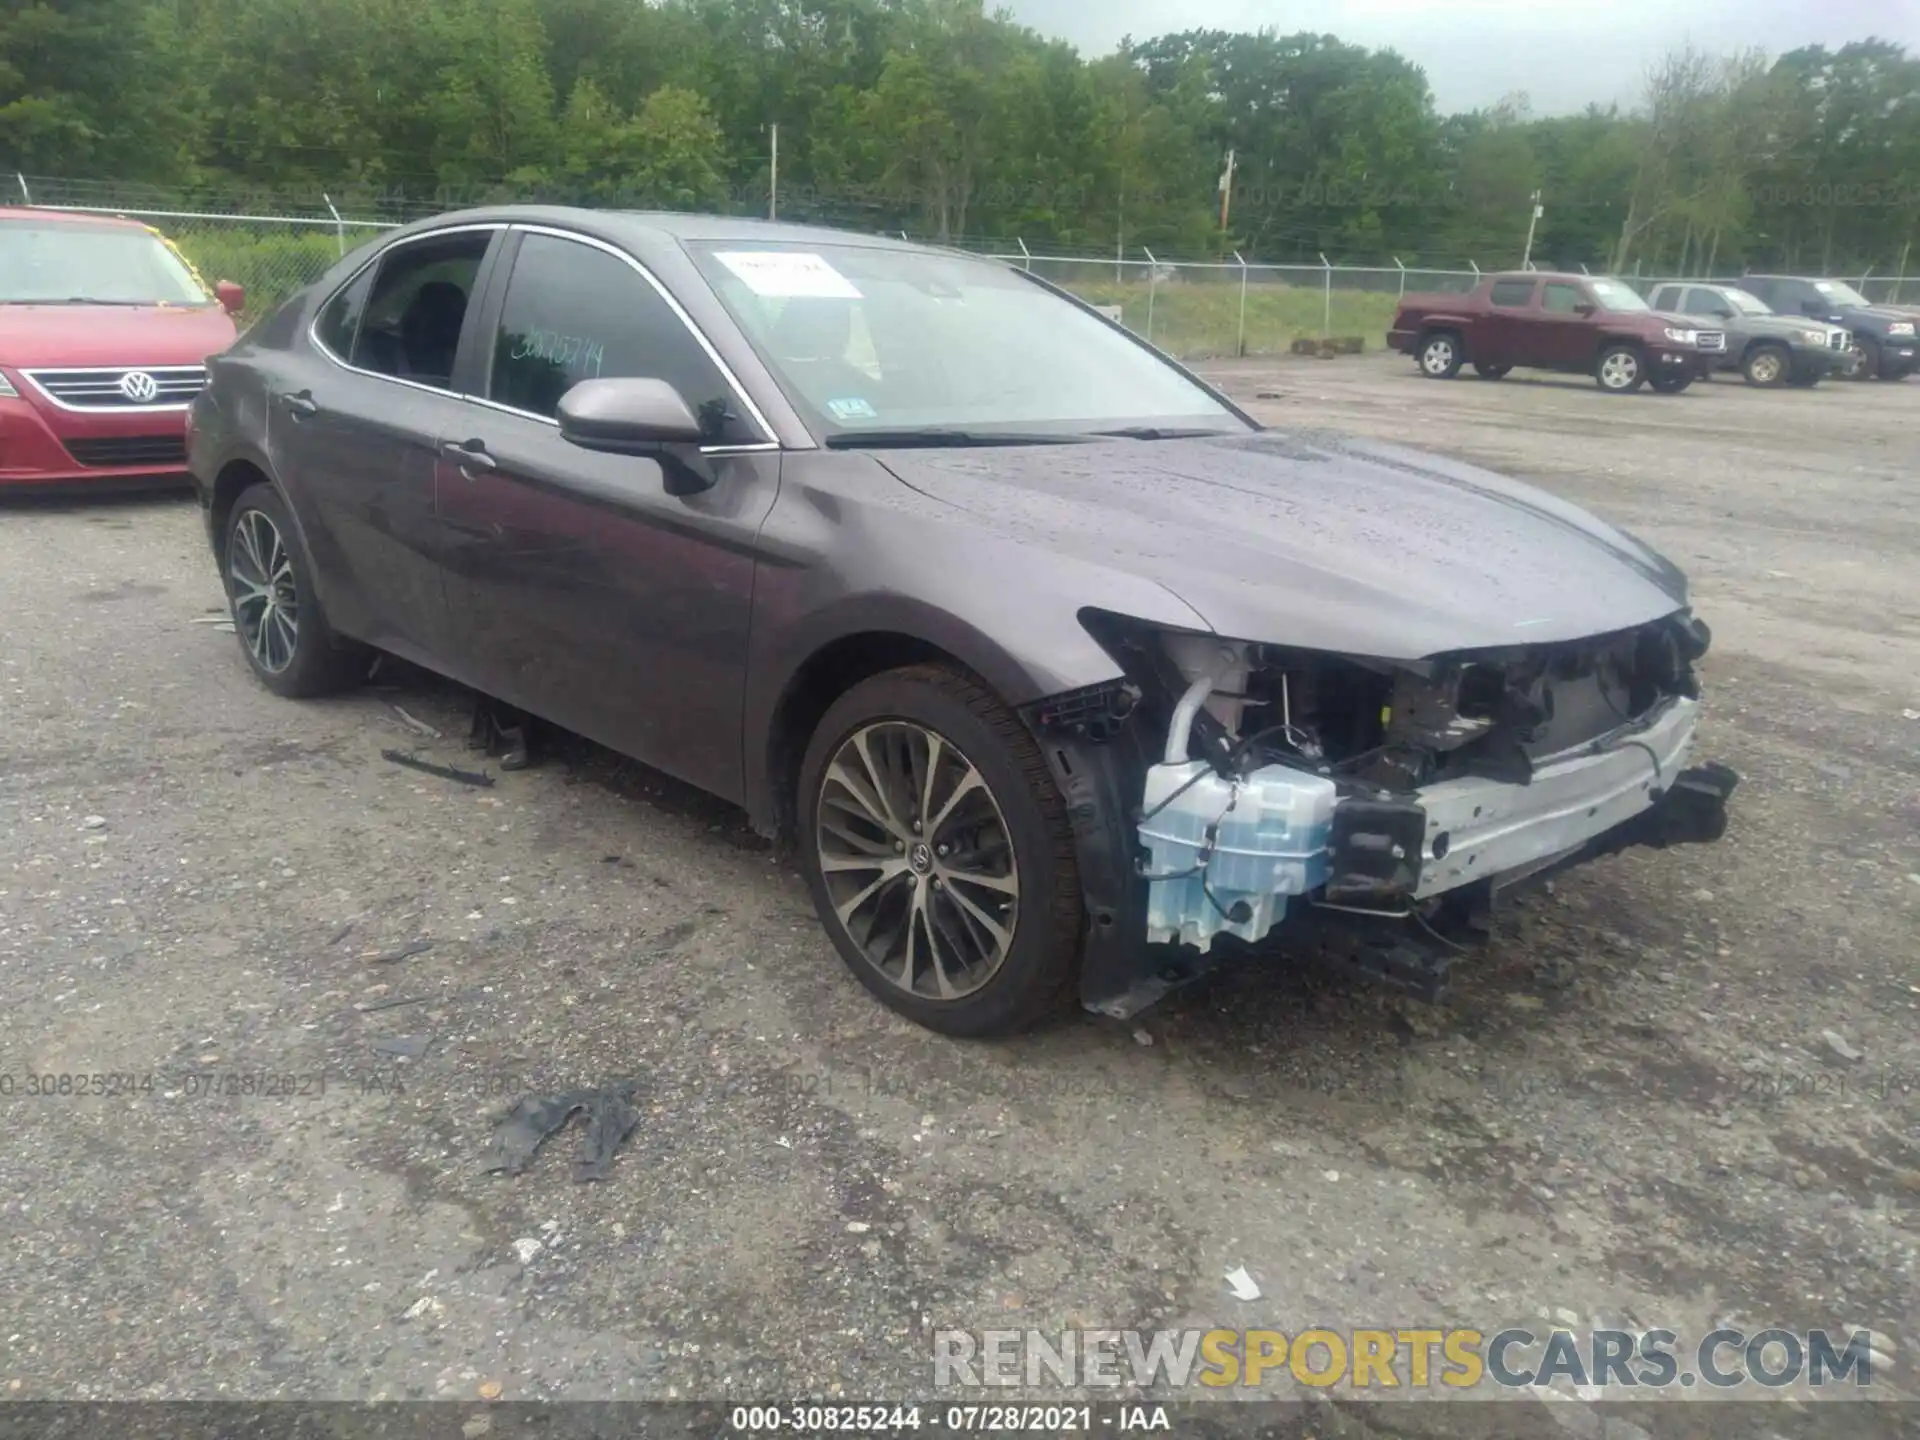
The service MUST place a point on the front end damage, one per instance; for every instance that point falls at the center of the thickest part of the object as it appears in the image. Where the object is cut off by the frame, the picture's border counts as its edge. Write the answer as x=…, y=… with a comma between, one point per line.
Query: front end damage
x=1368, y=812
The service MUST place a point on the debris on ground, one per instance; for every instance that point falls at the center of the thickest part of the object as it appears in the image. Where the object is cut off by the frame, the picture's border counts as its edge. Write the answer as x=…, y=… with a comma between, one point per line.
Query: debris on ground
x=1837, y=1044
x=389, y=957
x=500, y=729
x=94, y=822
x=444, y=772
x=1242, y=1284
x=369, y=1007
x=221, y=623
x=342, y=933
x=610, y=1114
x=403, y=1047
x=415, y=724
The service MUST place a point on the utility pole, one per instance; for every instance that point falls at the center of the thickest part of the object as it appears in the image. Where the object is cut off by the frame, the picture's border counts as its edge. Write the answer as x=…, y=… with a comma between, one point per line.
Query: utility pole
x=1533, y=219
x=773, y=190
x=1226, y=190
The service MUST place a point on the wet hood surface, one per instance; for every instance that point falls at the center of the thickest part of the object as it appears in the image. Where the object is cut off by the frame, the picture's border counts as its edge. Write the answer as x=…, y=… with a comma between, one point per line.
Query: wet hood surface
x=1320, y=541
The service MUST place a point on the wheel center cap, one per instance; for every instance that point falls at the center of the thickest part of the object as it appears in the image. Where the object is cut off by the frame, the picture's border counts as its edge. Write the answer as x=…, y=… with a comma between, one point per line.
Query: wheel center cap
x=920, y=857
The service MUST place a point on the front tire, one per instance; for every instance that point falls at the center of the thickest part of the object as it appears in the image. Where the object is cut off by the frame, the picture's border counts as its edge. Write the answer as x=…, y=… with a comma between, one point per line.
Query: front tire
x=1441, y=356
x=1863, y=361
x=1767, y=366
x=938, y=853
x=1620, y=369
x=283, y=631
x=1669, y=384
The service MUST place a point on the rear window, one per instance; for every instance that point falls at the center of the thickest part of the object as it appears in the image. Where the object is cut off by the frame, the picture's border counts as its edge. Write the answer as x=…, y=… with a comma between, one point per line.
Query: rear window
x=49, y=262
x=1511, y=292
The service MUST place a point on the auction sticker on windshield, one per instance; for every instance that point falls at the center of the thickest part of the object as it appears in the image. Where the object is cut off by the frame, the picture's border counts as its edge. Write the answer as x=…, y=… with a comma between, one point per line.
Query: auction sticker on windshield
x=788, y=274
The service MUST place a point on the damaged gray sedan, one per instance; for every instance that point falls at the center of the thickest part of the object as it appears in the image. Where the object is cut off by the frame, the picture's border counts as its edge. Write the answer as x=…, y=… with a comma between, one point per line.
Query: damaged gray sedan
x=1060, y=675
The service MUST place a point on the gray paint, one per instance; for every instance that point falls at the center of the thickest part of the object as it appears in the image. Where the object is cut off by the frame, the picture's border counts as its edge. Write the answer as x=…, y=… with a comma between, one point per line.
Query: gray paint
x=670, y=627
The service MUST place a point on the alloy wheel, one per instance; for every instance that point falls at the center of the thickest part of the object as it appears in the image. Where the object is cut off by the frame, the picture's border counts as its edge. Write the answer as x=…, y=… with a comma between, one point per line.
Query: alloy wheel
x=918, y=861
x=1619, y=370
x=266, y=606
x=1765, y=367
x=1437, y=356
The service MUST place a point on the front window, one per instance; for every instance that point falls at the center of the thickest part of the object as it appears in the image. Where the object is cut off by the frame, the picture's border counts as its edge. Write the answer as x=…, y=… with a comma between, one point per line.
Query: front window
x=1612, y=295
x=48, y=262
x=1840, y=293
x=865, y=338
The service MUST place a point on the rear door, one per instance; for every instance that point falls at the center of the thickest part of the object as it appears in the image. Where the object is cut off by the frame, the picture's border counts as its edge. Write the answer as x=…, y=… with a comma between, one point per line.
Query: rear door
x=1500, y=336
x=582, y=590
x=356, y=437
x=1566, y=337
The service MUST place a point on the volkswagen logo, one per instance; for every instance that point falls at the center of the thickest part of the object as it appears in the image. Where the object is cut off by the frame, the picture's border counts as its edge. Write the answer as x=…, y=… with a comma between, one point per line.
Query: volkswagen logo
x=139, y=387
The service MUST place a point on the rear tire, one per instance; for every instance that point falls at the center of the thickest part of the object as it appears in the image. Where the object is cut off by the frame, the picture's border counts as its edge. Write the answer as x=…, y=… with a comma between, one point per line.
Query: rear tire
x=1491, y=372
x=1620, y=369
x=1863, y=363
x=1440, y=355
x=283, y=631
x=967, y=919
x=1669, y=384
x=1767, y=365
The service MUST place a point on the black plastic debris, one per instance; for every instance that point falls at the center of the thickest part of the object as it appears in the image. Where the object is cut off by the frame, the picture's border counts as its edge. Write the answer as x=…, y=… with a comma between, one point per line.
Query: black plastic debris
x=611, y=1118
x=444, y=772
x=405, y=952
x=500, y=729
x=403, y=1047
x=372, y=1007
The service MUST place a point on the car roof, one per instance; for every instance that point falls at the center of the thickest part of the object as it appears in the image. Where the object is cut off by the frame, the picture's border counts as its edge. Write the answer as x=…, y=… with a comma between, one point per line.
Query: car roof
x=69, y=217
x=656, y=224
x=1541, y=275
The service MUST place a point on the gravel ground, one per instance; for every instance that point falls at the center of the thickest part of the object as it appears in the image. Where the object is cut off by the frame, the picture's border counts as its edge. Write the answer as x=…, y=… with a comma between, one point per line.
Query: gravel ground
x=1682, y=1088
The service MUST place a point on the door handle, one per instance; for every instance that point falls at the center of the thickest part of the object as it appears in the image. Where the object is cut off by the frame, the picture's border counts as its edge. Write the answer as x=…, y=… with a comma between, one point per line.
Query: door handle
x=300, y=405
x=469, y=455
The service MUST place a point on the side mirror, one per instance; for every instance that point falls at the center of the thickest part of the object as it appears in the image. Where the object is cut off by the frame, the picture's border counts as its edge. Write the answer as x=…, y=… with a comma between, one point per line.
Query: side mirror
x=1585, y=307
x=1720, y=312
x=232, y=297
x=631, y=416
x=627, y=416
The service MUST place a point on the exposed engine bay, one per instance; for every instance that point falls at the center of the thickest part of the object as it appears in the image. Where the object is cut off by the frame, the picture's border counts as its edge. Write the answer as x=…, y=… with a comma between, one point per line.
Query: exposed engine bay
x=1272, y=782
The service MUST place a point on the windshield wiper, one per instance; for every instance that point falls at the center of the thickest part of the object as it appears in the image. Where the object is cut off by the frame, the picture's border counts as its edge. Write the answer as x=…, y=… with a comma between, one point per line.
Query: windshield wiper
x=938, y=438
x=1160, y=432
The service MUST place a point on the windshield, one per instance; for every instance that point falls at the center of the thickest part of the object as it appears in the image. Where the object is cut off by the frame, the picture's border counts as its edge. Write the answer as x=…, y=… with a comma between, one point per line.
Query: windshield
x=1747, y=304
x=44, y=262
x=1612, y=295
x=864, y=339
x=1840, y=292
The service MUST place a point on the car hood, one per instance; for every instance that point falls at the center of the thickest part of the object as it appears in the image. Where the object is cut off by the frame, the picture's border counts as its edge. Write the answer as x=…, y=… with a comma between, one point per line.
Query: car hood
x=63, y=336
x=1883, y=312
x=1324, y=542
x=1786, y=326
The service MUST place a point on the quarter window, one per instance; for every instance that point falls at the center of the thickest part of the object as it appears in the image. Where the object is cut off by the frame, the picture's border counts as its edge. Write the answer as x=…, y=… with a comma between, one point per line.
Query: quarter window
x=1511, y=293
x=339, y=322
x=575, y=312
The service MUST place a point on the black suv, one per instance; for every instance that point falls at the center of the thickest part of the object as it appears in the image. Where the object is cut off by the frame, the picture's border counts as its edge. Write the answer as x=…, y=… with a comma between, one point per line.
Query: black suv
x=1768, y=349
x=1883, y=335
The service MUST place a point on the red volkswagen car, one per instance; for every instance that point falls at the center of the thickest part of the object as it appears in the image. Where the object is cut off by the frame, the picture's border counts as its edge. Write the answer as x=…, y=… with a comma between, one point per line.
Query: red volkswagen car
x=104, y=335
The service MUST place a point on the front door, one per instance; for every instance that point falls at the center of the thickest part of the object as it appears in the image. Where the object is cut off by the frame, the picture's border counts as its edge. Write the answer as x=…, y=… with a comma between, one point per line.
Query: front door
x=356, y=435
x=583, y=591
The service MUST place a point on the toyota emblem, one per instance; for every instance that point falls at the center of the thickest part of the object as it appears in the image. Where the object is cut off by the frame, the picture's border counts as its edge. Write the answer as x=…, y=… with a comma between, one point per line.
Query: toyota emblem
x=139, y=387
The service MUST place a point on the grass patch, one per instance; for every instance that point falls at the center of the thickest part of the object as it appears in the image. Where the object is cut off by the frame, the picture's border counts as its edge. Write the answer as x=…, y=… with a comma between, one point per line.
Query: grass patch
x=1198, y=320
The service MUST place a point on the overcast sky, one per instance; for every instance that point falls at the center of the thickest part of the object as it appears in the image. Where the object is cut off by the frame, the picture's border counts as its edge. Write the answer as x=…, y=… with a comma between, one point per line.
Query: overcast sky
x=1563, y=53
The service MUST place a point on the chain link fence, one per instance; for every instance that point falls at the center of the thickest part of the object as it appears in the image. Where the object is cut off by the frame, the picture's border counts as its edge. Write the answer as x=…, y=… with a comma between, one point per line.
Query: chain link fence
x=1191, y=309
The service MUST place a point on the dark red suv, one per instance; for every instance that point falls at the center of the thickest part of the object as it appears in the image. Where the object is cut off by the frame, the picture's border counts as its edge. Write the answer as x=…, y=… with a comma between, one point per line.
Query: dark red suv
x=104, y=335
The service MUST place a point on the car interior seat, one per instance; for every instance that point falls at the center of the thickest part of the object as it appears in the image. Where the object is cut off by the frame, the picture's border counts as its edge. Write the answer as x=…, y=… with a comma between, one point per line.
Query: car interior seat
x=430, y=331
